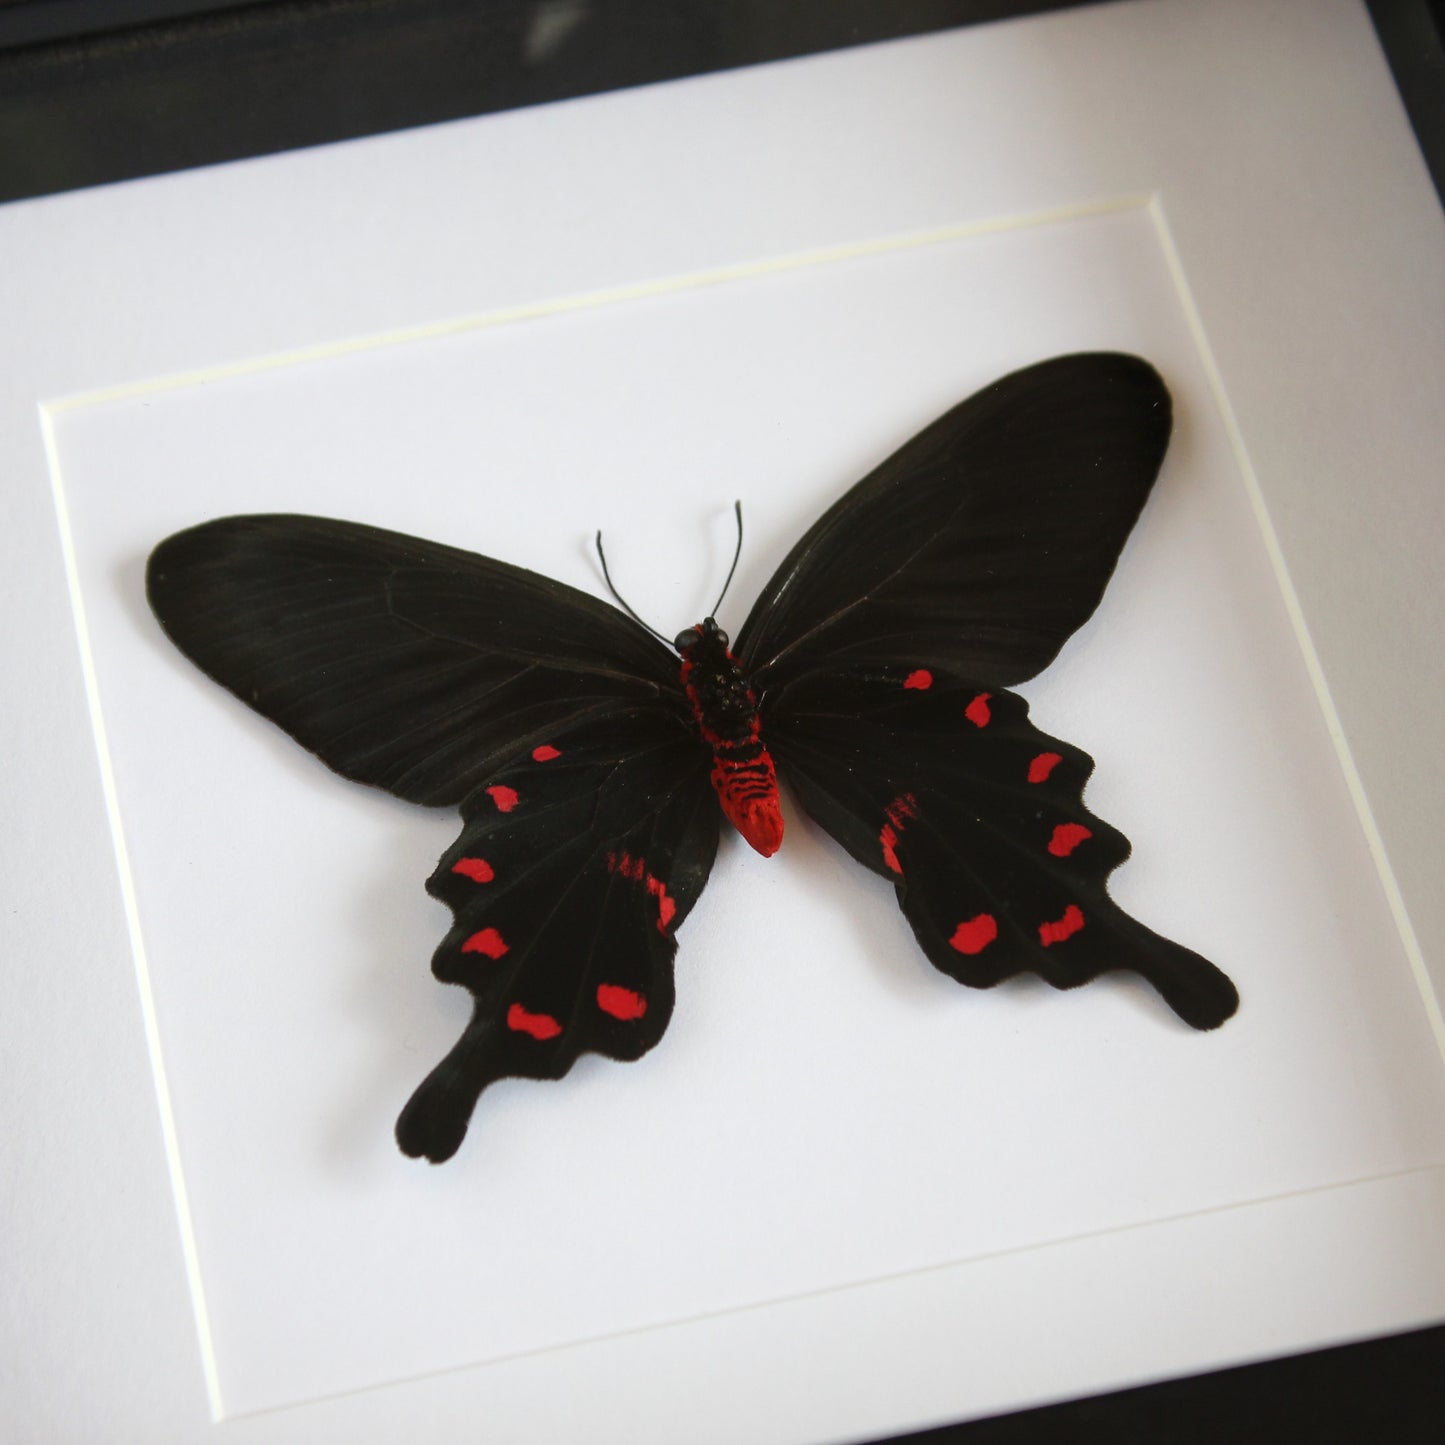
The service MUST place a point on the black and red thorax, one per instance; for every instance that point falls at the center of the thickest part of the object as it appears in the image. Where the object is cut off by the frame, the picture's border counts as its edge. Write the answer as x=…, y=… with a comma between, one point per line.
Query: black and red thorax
x=726, y=709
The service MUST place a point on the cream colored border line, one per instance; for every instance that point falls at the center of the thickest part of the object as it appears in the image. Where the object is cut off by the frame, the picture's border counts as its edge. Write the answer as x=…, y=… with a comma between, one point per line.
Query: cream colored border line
x=132, y=922
x=856, y=1287
x=1297, y=619
x=586, y=301
x=50, y=411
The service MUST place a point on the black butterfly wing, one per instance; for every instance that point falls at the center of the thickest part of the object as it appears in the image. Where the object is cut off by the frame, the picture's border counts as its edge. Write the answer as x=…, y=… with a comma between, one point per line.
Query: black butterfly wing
x=556, y=723
x=574, y=869
x=947, y=790
x=883, y=646
x=405, y=664
x=983, y=542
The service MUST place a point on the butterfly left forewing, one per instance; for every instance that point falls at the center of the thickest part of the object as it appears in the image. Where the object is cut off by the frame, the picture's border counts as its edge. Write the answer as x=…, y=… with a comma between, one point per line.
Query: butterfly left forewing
x=576, y=864
x=405, y=664
x=943, y=786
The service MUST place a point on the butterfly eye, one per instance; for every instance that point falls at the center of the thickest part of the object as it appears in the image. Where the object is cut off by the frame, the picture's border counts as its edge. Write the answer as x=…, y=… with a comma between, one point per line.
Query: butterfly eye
x=720, y=635
x=687, y=639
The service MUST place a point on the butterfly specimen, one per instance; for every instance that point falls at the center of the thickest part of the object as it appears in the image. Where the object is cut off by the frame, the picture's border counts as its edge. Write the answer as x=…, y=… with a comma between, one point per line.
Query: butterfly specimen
x=593, y=764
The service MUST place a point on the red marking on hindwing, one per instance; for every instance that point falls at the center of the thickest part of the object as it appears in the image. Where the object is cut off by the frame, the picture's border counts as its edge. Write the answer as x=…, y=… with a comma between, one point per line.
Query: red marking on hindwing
x=488, y=941
x=621, y=1003
x=901, y=809
x=920, y=680
x=545, y=753
x=626, y=865
x=477, y=869
x=540, y=1026
x=975, y=934
x=1067, y=837
x=1042, y=765
x=977, y=711
x=666, y=907
x=898, y=813
x=635, y=871
x=504, y=797
x=1065, y=927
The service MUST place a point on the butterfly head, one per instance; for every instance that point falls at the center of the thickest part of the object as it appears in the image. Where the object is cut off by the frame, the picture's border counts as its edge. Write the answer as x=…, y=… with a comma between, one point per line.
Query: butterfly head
x=707, y=635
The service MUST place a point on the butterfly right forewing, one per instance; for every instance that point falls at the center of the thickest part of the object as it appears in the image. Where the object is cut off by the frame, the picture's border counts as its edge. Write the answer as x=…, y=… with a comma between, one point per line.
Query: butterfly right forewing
x=982, y=542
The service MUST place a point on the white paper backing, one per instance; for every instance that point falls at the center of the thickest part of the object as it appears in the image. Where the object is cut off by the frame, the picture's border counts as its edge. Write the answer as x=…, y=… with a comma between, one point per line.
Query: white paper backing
x=244, y=264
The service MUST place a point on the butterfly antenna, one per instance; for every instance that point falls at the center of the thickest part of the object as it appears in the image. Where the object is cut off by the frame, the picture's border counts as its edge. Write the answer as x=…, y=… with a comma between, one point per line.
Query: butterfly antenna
x=738, y=513
x=621, y=600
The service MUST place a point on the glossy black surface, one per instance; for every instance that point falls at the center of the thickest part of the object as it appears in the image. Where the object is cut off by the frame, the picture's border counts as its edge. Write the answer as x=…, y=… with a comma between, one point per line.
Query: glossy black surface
x=148, y=94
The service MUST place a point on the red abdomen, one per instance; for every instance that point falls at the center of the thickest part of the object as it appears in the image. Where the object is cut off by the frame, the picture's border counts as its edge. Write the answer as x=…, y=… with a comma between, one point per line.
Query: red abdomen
x=727, y=716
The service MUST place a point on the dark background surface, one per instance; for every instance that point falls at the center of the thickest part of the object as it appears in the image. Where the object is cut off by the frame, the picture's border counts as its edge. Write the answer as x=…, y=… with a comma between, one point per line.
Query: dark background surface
x=104, y=90
x=93, y=91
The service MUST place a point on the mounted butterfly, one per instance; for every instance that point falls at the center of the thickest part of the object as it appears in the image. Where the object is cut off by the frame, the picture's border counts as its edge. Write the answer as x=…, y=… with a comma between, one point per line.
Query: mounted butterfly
x=592, y=764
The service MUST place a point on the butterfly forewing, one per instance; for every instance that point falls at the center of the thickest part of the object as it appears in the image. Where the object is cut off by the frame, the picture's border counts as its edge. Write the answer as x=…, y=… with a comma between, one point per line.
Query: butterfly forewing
x=405, y=664
x=575, y=867
x=981, y=544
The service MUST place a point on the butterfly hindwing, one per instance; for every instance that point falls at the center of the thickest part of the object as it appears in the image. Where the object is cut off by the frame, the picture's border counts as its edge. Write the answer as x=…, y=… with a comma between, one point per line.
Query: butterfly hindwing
x=943, y=786
x=576, y=864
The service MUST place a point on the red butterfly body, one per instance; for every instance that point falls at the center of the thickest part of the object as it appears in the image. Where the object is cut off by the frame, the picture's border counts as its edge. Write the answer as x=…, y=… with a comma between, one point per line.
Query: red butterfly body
x=726, y=709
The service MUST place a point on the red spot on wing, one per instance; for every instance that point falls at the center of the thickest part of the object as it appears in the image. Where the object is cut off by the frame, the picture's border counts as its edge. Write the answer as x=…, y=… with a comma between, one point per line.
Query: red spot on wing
x=488, y=941
x=1065, y=927
x=901, y=809
x=898, y=813
x=505, y=798
x=621, y=1003
x=666, y=907
x=975, y=934
x=545, y=753
x=1067, y=837
x=920, y=680
x=477, y=869
x=977, y=711
x=540, y=1026
x=1042, y=765
x=635, y=871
